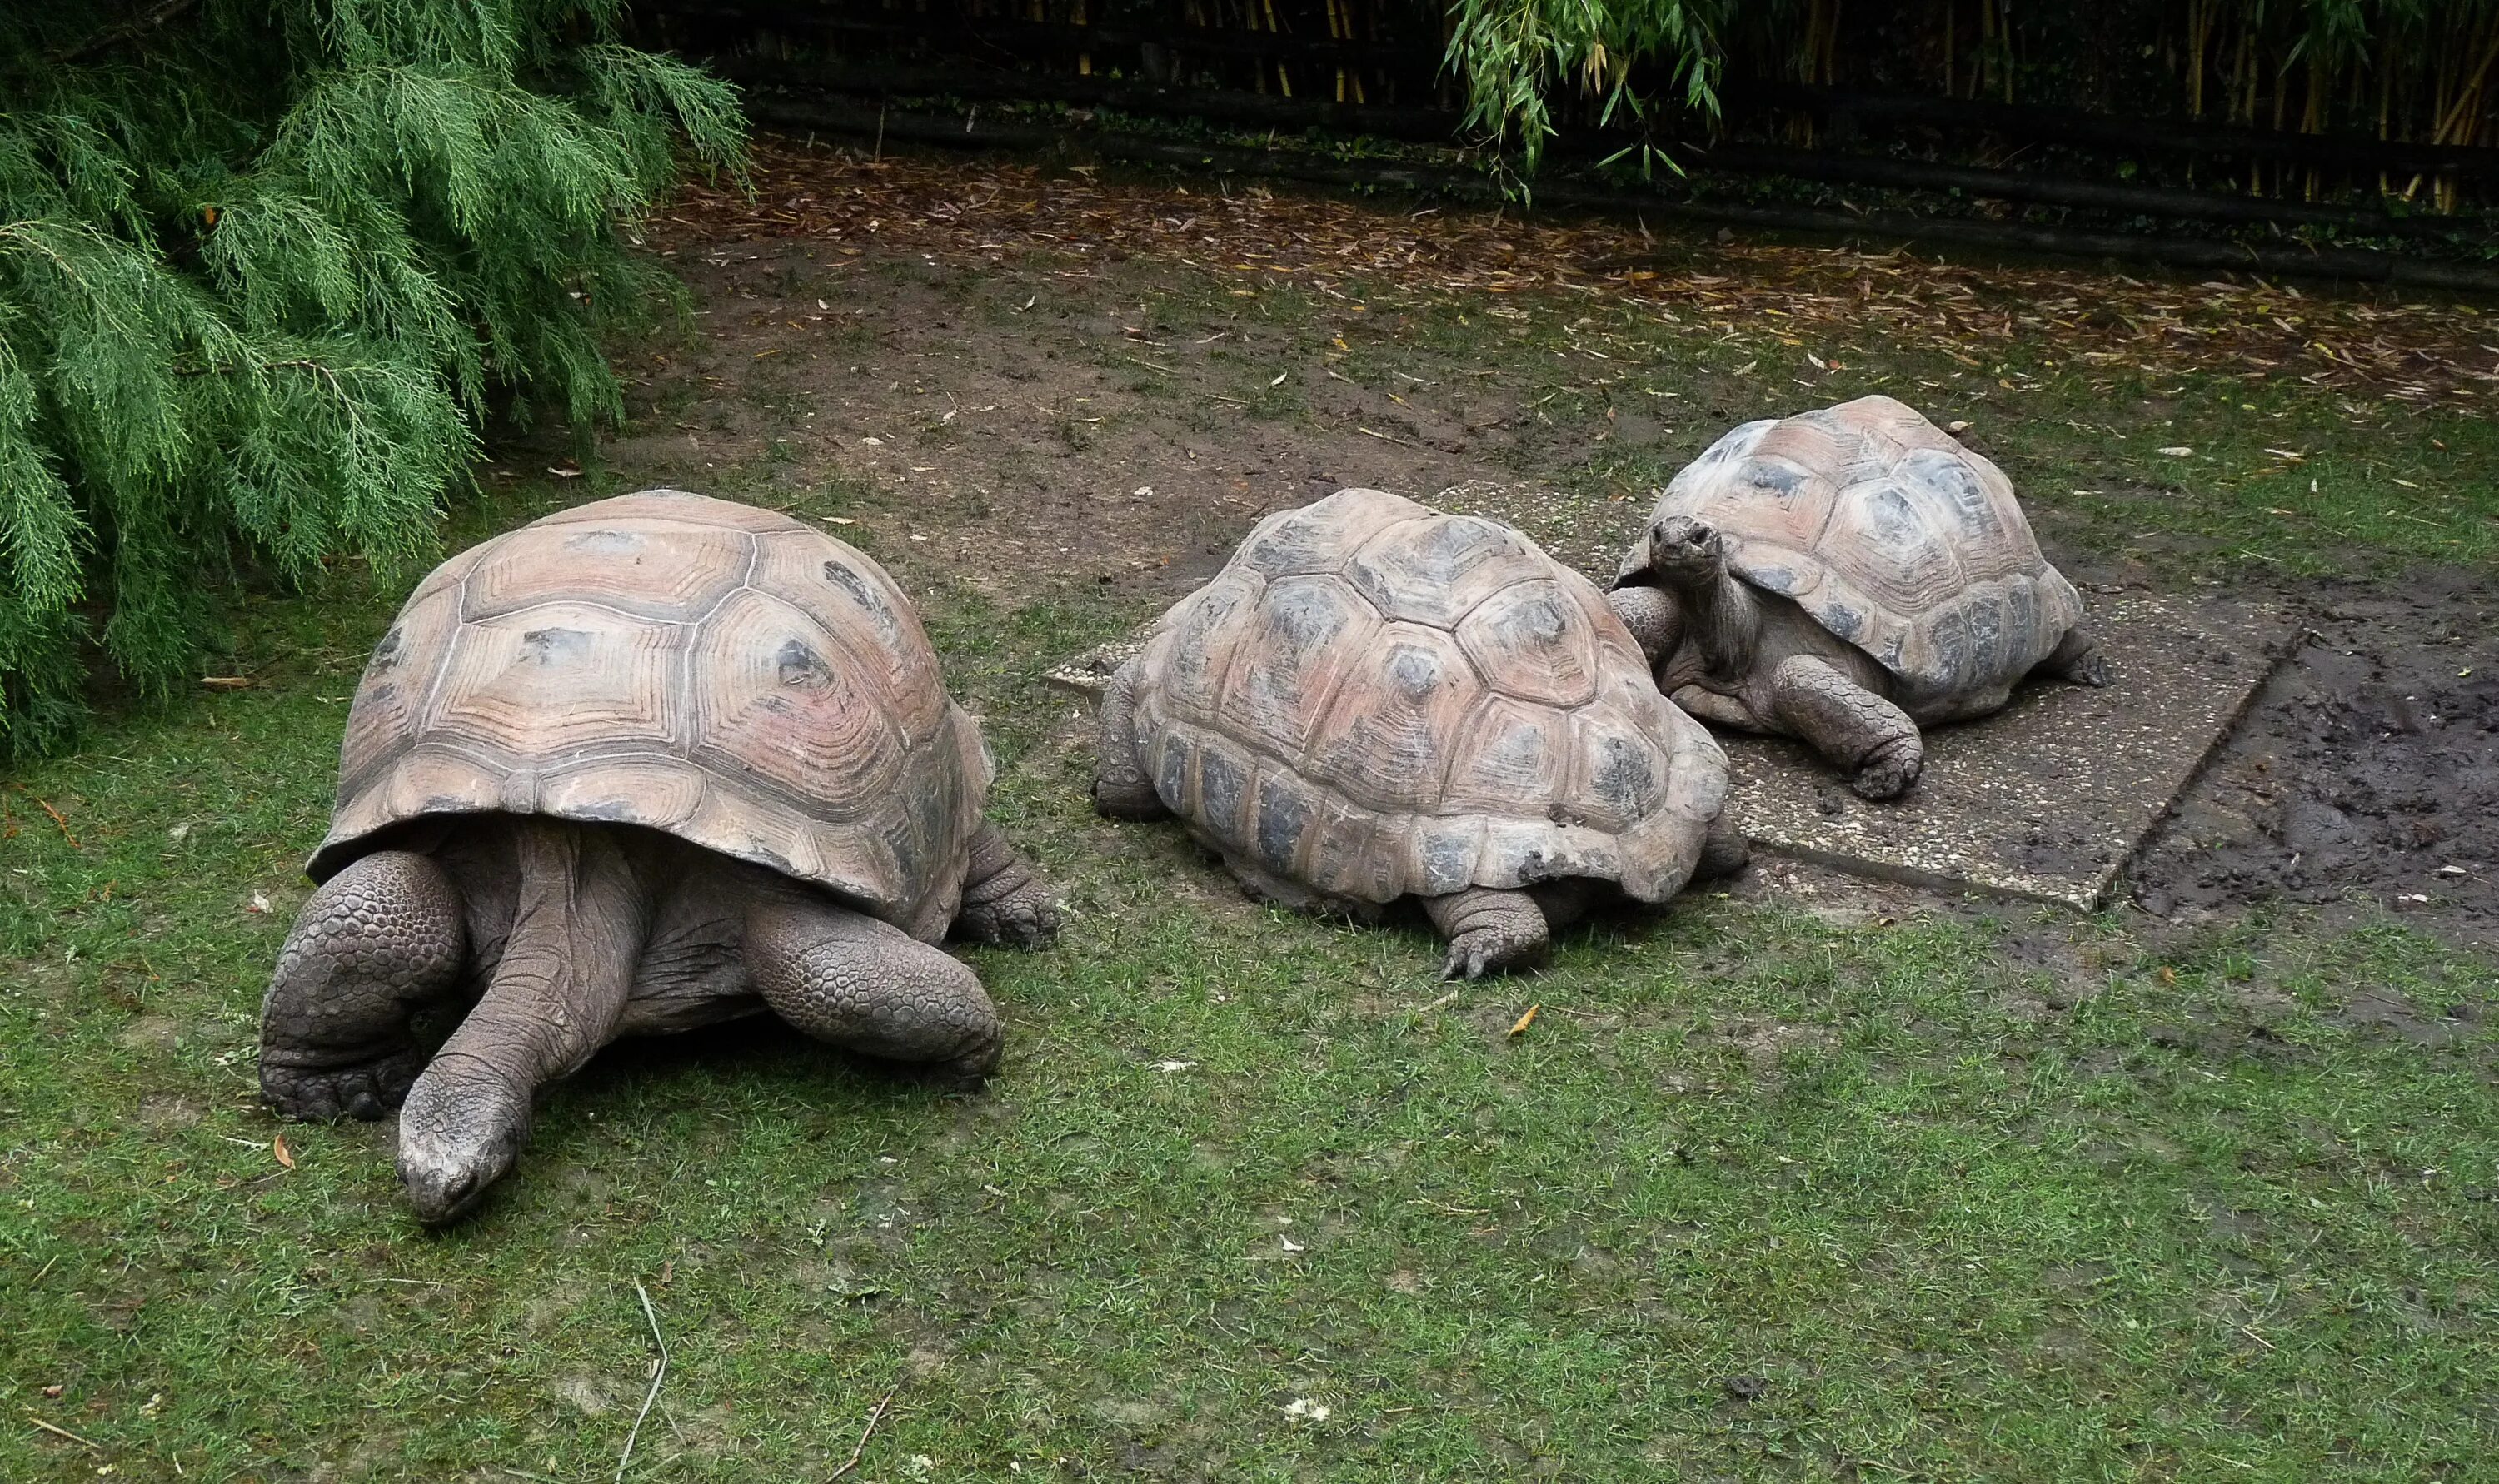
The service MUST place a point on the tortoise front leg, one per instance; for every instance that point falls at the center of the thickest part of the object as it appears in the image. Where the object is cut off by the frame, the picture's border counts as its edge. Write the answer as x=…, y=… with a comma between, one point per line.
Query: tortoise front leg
x=1121, y=787
x=1652, y=615
x=376, y=943
x=1004, y=900
x=1489, y=930
x=1849, y=724
x=846, y=978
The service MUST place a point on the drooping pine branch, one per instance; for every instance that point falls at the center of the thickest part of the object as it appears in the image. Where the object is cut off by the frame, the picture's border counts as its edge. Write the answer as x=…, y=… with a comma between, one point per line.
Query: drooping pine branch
x=263, y=269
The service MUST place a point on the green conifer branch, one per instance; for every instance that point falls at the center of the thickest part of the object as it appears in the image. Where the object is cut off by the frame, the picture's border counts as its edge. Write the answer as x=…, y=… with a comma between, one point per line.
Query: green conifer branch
x=263, y=270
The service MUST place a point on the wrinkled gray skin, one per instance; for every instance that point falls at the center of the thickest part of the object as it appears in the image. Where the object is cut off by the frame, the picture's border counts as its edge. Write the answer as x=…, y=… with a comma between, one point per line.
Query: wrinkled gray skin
x=1738, y=657
x=556, y=938
x=1490, y=929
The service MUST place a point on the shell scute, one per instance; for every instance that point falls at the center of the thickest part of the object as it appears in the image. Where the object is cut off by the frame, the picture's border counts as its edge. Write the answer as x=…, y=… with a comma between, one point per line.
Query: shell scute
x=1305, y=637
x=1317, y=537
x=667, y=571
x=1534, y=641
x=1387, y=745
x=1433, y=571
x=554, y=680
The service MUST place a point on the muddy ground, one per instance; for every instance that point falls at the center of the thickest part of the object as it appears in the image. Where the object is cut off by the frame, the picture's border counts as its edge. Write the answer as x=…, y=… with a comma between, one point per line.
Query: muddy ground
x=2366, y=774
x=1038, y=429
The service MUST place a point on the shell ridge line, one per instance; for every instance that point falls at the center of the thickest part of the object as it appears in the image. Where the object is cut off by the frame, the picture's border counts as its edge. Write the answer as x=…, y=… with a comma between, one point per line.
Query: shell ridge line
x=745, y=580
x=561, y=601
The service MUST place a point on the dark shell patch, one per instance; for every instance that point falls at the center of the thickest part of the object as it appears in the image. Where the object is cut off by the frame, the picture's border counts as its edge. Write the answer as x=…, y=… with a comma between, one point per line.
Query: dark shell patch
x=1282, y=816
x=554, y=646
x=801, y=668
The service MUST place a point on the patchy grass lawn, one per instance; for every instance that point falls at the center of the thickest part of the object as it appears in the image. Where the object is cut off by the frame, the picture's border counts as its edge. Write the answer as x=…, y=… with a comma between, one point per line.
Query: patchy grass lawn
x=1808, y=1180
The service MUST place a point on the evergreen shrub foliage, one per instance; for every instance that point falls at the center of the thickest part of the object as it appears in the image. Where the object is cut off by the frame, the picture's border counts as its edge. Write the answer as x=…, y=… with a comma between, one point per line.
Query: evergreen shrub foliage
x=265, y=264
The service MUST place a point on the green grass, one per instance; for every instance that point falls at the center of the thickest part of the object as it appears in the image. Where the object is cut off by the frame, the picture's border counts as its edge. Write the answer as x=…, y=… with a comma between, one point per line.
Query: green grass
x=1970, y=1195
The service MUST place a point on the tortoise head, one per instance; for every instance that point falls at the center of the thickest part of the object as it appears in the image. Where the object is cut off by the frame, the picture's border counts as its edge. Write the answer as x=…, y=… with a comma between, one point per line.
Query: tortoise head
x=1686, y=553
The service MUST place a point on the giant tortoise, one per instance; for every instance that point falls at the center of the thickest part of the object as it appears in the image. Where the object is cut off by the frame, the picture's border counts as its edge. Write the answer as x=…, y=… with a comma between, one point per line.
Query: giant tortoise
x=636, y=767
x=1373, y=700
x=1845, y=576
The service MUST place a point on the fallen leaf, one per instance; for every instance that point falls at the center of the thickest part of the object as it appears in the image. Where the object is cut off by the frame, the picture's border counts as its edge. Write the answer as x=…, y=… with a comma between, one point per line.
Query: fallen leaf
x=226, y=682
x=178, y=832
x=1526, y=1020
x=1305, y=1408
x=2177, y=451
x=1143, y=491
x=564, y=472
x=259, y=903
x=285, y=1155
x=1957, y=426
x=1280, y=378
x=838, y=520
x=1173, y=1066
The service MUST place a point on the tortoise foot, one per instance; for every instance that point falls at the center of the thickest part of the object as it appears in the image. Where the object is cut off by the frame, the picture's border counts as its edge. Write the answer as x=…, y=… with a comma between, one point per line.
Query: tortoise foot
x=1891, y=771
x=367, y=1088
x=1489, y=931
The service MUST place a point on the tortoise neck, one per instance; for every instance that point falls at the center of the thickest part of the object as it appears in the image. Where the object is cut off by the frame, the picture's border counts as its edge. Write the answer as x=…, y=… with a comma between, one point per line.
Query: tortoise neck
x=1726, y=620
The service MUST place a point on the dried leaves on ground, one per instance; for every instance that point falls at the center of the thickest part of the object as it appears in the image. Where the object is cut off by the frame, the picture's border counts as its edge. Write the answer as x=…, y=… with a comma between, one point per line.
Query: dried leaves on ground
x=983, y=209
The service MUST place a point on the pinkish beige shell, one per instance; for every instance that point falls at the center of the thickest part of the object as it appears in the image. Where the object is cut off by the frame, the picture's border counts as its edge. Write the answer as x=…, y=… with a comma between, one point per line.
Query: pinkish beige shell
x=1892, y=536
x=1378, y=701
x=720, y=672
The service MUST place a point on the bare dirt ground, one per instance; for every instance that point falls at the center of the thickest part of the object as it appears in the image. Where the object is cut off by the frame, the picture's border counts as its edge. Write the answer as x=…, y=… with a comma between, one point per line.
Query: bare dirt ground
x=2368, y=770
x=1044, y=389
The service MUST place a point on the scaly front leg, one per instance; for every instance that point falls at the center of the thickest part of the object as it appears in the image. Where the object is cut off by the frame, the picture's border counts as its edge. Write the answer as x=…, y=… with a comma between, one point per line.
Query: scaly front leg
x=376, y=943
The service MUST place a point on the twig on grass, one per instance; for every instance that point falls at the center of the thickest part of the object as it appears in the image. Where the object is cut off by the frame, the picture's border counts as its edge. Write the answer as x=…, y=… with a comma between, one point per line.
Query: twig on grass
x=83, y=1443
x=659, y=1375
x=54, y=813
x=860, y=1452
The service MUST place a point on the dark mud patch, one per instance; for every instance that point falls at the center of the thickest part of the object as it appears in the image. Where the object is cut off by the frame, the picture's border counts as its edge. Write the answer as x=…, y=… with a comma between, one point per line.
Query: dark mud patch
x=2365, y=778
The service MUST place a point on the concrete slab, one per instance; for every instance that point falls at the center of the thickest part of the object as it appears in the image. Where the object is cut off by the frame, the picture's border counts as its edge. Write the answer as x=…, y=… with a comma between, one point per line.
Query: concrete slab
x=2047, y=800
x=2051, y=797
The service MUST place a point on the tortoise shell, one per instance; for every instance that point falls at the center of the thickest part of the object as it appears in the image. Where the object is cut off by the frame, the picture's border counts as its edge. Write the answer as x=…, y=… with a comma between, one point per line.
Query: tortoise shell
x=720, y=672
x=1891, y=535
x=1377, y=699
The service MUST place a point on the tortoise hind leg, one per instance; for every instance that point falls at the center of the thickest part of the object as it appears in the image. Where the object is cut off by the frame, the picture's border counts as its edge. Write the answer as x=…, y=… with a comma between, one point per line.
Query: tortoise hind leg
x=1849, y=724
x=1121, y=787
x=1004, y=900
x=1489, y=930
x=1724, y=850
x=2077, y=659
x=845, y=977
x=375, y=944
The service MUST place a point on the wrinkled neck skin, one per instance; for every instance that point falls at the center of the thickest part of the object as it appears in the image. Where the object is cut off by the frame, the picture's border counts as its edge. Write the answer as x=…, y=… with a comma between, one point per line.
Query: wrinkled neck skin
x=1722, y=621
